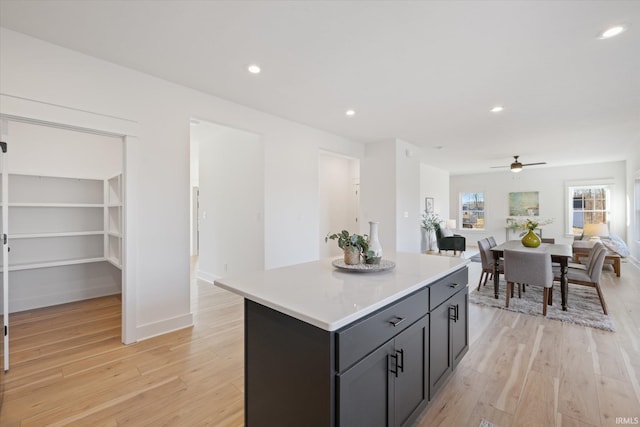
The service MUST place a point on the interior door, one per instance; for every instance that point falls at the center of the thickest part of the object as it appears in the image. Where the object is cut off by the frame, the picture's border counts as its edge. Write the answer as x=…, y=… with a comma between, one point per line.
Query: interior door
x=5, y=244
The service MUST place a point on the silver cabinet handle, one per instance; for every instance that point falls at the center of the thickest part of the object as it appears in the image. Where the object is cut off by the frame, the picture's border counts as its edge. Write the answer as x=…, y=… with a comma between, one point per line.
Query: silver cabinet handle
x=396, y=321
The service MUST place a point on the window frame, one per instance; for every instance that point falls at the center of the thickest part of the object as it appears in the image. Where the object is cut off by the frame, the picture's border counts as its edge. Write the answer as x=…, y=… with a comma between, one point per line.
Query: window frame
x=461, y=211
x=606, y=184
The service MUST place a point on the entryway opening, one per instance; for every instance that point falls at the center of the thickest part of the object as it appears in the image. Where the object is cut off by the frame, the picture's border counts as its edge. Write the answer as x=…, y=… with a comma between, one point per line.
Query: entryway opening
x=339, y=199
x=227, y=201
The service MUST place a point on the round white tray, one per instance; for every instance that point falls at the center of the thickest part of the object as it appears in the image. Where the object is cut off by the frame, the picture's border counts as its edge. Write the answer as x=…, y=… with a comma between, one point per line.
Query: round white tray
x=384, y=265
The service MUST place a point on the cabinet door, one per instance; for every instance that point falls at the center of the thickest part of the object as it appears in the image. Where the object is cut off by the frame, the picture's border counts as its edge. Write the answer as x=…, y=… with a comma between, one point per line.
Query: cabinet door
x=364, y=391
x=411, y=383
x=460, y=326
x=439, y=347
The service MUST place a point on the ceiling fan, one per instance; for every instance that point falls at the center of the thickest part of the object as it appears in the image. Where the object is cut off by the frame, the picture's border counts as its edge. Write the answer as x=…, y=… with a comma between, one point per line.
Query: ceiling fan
x=516, y=166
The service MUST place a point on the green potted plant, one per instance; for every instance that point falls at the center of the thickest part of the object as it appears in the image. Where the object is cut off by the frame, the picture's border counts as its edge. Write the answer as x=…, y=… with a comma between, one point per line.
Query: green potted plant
x=430, y=222
x=353, y=245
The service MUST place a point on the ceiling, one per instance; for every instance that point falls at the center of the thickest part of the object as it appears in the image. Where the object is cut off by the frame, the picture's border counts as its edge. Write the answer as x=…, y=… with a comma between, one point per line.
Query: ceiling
x=425, y=72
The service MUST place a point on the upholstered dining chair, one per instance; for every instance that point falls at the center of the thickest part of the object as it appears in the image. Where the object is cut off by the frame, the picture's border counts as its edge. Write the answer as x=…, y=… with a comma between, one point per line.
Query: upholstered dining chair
x=532, y=268
x=586, y=262
x=589, y=276
x=486, y=256
x=492, y=241
x=550, y=240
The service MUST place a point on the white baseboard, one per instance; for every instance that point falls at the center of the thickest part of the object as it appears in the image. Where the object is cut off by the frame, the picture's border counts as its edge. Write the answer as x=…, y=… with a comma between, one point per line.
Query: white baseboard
x=39, y=301
x=162, y=327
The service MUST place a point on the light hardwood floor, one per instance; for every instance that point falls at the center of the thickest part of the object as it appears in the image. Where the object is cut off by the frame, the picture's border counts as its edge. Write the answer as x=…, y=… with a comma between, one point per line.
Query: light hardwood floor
x=69, y=368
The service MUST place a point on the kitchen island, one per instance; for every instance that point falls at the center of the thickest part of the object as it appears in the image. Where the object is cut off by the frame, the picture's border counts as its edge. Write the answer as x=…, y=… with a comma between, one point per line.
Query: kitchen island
x=329, y=347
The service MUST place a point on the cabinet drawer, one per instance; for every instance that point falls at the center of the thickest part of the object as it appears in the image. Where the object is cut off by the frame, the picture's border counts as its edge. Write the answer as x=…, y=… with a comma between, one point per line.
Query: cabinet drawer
x=446, y=287
x=362, y=337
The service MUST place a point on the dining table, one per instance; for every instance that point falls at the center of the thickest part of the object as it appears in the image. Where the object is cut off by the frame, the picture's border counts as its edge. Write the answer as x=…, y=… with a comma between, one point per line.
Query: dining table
x=560, y=253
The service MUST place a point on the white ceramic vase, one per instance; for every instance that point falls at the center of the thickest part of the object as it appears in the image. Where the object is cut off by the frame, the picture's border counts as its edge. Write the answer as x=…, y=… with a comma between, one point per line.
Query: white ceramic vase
x=374, y=243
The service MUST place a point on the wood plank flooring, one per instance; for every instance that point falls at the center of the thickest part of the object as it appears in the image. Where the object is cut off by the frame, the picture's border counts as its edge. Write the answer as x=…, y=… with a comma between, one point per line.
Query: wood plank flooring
x=68, y=367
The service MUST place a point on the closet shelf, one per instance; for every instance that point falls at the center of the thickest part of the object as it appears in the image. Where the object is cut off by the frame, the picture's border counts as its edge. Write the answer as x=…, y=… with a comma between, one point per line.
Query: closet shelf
x=58, y=263
x=57, y=234
x=115, y=262
x=57, y=205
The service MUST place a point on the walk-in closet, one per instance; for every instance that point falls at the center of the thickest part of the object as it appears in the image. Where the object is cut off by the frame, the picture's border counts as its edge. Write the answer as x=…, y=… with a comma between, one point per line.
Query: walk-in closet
x=62, y=209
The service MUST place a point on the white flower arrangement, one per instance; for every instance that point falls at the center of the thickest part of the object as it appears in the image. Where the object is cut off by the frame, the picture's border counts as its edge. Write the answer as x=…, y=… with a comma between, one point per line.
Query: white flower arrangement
x=527, y=223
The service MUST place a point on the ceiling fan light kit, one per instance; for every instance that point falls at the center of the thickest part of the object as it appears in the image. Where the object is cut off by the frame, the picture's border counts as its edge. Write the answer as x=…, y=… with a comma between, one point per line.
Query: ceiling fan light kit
x=516, y=166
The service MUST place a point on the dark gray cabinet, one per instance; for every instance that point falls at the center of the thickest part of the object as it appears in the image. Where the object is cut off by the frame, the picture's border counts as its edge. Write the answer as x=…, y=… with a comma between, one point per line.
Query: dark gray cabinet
x=380, y=370
x=388, y=387
x=440, y=360
x=460, y=326
x=410, y=378
x=449, y=337
x=364, y=391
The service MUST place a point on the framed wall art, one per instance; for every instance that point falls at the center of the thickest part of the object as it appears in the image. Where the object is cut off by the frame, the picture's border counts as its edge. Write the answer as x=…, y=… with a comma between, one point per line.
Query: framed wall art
x=428, y=204
x=524, y=203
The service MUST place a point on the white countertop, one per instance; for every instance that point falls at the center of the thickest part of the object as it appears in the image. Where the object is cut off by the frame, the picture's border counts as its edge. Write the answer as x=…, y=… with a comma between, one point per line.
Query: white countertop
x=319, y=294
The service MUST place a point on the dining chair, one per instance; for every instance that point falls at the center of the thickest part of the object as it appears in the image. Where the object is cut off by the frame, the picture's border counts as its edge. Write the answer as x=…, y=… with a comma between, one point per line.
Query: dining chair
x=589, y=276
x=586, y=262
x=492, y=241
x=486, y=256
x=551, y=241
x=533, y=268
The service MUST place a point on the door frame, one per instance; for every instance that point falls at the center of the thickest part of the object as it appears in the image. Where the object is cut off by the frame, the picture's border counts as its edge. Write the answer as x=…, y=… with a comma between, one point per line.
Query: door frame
x=34, y=111
x=195, y=220
x=4, y=125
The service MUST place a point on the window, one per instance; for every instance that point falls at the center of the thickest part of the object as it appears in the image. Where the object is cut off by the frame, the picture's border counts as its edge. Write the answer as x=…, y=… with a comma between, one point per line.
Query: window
x=472, y=205
x=588, y=205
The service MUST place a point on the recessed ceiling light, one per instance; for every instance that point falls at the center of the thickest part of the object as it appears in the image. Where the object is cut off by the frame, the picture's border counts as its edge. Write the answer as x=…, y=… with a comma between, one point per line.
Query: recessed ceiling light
x=497, y=109
x=253, y=69
x=350, y=113
x=612, y=32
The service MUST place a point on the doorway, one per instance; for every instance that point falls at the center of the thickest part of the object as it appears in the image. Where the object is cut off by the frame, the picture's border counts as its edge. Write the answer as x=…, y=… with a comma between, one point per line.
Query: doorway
x=227, y=168
x=63, y=209
x=339, y=199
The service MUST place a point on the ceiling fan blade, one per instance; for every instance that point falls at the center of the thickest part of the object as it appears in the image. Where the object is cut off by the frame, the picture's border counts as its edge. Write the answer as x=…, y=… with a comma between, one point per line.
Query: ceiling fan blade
x=498, y=167
x=533, y=164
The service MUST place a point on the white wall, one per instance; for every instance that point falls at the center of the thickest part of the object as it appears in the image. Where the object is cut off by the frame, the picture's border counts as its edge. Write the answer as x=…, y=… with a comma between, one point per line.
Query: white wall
x=434, y=182
x=390, y=194
x=338, y=202
x=550, y=183
x=378, y=191
x=408, y=213
x=37, y=70
x=231, y=201
x=45, y=150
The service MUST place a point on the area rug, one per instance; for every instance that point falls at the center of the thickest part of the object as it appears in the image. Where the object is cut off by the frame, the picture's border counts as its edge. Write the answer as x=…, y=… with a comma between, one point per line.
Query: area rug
x=583, y=305
x=475, y=258
x=485, y=423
